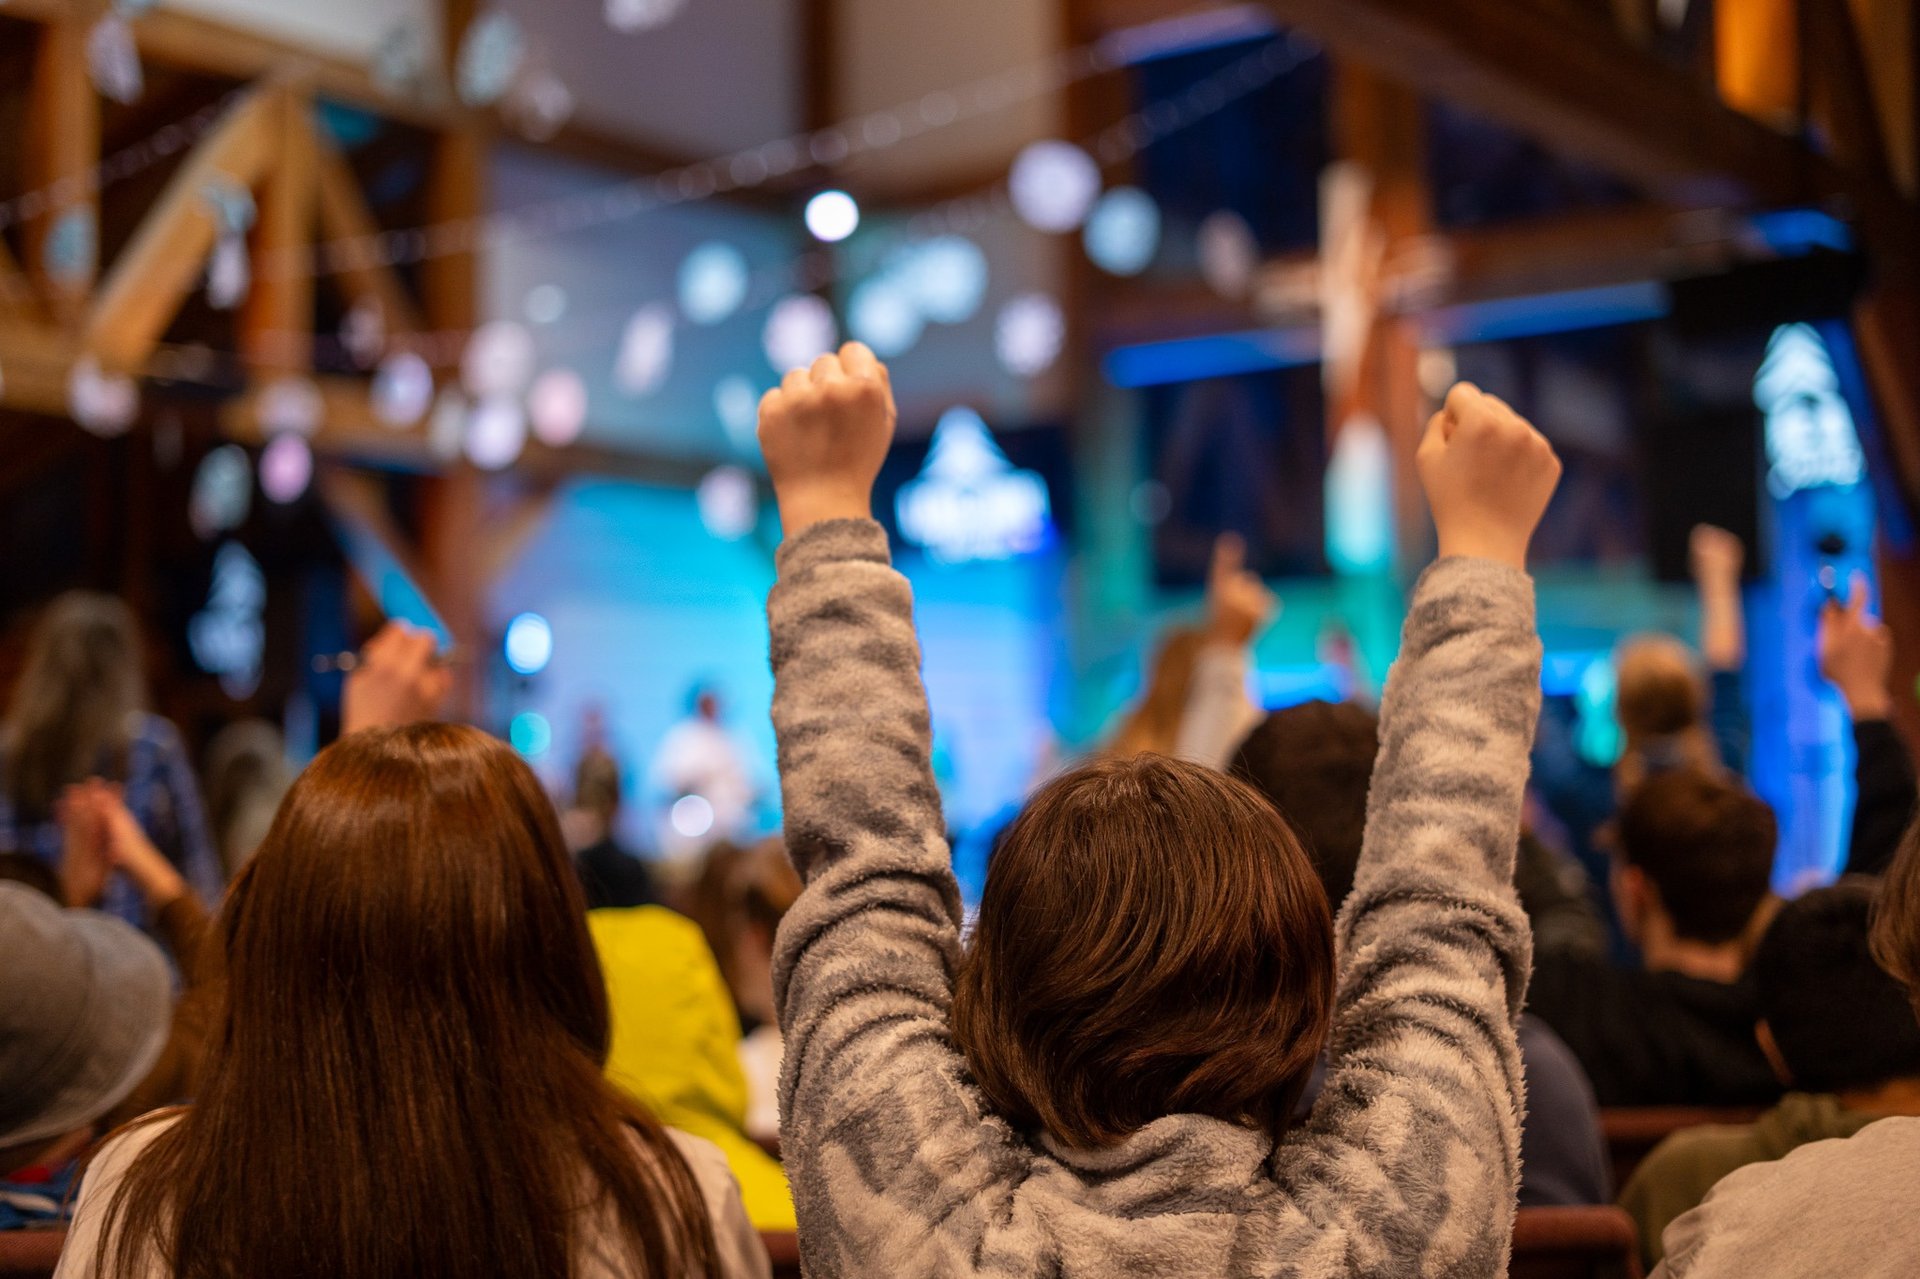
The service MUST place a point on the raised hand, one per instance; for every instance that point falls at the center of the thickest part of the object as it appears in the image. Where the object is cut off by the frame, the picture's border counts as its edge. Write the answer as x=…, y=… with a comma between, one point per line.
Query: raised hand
x=1717, y=556
x=1239, y=605
x=129, y=849
x=1856, y=654
x=824, y=433
x=397, y=681
x=84, y=861
x=1489, y=476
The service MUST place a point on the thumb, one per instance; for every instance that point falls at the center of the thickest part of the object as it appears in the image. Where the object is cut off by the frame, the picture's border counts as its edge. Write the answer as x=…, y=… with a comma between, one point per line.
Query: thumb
x=1229, y=557
x=1859, y=596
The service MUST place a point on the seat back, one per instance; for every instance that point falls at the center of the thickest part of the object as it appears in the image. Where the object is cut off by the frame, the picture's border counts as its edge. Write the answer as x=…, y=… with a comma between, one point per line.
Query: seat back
x=1575, y=1243
x=1633, y=1132
x=30, y=1254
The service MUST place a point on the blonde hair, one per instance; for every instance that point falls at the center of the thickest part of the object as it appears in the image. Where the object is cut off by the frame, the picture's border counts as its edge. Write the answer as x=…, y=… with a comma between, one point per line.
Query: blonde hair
x=1154, y=724
x=1662, y=706
x=74, y=709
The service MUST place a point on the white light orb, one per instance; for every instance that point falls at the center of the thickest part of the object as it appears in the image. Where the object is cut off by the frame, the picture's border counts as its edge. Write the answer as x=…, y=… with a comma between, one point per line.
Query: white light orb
x=529, y=644
x=496, y=433
x=832, y=216
x=646, y=351
x=364, y=331
x=222, y=492
x=290, y=406
x=103, y=403
x=1229, y=254
x=448, y=429
x=713, y=283
x=642, y=15
x=692, y=816
x=545, y=304
x=402, y=390
x=736, y=402
x=1029, y=334
x=499, y=360
x=286, y=468
x=948, y=278
x=729, y=506
x=490, y=58
x=1054, y=185
x=800, y=329
x=883, y=313
x=1124, y=232
x=557, y=405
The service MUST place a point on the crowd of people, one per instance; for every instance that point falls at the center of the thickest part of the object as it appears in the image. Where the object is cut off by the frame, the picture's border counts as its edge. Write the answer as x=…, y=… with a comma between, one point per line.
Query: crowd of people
x=1326, y=991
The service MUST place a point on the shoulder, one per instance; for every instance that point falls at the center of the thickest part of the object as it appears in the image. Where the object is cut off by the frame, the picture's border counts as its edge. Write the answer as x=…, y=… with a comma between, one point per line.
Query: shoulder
x=104, y=1172
x=741, y=1251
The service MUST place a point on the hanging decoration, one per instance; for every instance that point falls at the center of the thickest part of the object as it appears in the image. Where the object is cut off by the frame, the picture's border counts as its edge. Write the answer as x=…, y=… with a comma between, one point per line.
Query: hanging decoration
x=113, y=61
x=490, y=58
x=229, y=268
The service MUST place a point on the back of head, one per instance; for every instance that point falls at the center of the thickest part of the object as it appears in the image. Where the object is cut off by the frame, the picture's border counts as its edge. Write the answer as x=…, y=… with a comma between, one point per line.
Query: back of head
x=1839, y=1020
x=71, y=713
x=1315, y=763
x=1661, y=703
x=1896, y=917
x=246, y=778
x=409, y=976
x=1152, y=941
x=1706, y=845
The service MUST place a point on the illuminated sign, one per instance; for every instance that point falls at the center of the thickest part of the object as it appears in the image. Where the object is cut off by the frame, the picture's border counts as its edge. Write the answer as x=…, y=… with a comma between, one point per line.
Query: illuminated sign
x=1811, y=440
x=227, y=637
x=969, y=502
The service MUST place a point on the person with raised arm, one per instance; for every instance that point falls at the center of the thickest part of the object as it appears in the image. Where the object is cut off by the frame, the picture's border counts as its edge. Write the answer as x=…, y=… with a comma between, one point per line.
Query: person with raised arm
x=1101, y=1080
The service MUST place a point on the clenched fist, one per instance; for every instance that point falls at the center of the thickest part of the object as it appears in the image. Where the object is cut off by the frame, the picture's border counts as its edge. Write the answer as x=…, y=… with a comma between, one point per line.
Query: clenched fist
x=1489, y=476
x=1856, y=654
x=824, y=432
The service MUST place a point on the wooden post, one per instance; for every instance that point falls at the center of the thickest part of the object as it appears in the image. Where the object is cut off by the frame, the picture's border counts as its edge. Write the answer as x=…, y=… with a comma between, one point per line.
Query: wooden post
x=63, y=145
x=277, y=326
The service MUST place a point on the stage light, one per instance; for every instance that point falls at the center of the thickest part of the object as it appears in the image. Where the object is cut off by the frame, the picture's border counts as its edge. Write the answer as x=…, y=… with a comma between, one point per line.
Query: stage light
x=729, y=506
x=692, y=816
x=736, y=402
x=1053, y=185
x=800, y=329
x=713, y=283
x=1229, y=255
x=499, y=359
x=286, y=468
x=222, y=491
x=290, y=406
x=969, y=502
x=530, y=734
x=227, y=638
x=103, y=403
x=490, y=57
x=529, y=644
x=1124, y=232
x=641, y=15
x=646, y=351
x=882, y=313
x=545, y=304
x=402, y=390
x=832, y=216
x=496, y=433
x=1029, y=334
x=557, y=405
x=1359, y=500
x=947, y=276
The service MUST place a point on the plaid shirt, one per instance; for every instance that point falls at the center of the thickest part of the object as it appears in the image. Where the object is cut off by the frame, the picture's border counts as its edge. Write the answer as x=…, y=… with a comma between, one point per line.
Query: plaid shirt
x=164, y=798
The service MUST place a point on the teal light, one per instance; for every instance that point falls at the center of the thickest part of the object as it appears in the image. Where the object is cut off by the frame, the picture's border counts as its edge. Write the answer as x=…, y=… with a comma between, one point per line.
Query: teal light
x=530, y=734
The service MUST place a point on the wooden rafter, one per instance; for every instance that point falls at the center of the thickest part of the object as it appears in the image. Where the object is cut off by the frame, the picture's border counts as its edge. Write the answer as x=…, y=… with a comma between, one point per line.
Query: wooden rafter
x=276, y=328
x=158, y=268
x=63, y=144
x=345, y=217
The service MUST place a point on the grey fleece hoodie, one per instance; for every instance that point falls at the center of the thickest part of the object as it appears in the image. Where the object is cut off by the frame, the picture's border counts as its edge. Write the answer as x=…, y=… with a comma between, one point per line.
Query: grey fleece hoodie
x=1409, y=1161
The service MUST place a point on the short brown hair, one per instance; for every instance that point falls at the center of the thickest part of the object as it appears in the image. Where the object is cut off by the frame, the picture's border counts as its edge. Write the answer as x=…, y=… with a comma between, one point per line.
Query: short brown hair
x=1896, y=916
x=1152, y=941
x=1314, y=762
x=1707, y=844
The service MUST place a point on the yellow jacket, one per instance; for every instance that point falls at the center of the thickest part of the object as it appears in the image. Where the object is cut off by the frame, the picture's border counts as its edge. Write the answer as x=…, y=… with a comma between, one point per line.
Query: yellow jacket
x=676, y=1043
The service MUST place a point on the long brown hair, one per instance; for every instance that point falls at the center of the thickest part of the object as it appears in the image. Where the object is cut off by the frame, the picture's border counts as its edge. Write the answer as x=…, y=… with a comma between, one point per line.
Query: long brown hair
x=406, y=1075
x=1152, y=941
x=73, y=710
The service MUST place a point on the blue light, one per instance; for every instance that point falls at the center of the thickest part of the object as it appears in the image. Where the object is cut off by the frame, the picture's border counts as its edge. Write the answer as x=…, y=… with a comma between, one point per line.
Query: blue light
x=529, y=644
x=947, y=277
x=881, y=312
x=1222, y=355
x=530, y=734
x=713, y=283
x=1123, y=234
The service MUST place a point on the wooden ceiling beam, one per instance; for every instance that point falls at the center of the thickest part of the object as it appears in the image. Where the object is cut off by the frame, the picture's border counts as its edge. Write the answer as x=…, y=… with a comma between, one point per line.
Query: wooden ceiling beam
x=346, y=219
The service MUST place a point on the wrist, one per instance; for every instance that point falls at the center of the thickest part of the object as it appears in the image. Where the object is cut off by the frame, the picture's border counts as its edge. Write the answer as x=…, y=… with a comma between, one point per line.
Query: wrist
x=1867, y=703
x=800, y=512
x=1499, y=550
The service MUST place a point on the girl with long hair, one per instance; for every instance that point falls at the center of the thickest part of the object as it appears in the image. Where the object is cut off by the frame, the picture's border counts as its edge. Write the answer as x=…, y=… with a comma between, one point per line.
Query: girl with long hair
x=405, y=1076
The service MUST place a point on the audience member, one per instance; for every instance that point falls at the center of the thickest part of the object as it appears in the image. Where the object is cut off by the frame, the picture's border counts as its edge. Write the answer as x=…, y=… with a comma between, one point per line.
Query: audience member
x=79, y=711
x=1153, y=724
x=1856, y=657
x=1103, y=1079
x=1219, y=714
x=247, y=777
x=1837, y=1207
x=1693, y=859
x=1837, y=1029
x=1315, y=762
x=408, y=1071
x=611, y=876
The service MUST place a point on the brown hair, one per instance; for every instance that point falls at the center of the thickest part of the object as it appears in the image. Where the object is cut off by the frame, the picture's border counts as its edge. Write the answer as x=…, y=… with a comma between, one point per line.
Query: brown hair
x=739, y=900
x=1707, y=845
x=1896, y=916
x=406, y=1073
x=1154, y=723
x=73, y=709
x=1314, y=762
x=1152, y=941
x=1661, y=703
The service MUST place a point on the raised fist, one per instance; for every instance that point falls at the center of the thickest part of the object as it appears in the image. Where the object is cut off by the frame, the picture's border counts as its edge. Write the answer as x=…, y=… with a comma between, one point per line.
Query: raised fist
x=1717, y=556
x=824, y=432
x=1489, y=476
x=398, y=681
x=1856, y=654
x=1239, y=605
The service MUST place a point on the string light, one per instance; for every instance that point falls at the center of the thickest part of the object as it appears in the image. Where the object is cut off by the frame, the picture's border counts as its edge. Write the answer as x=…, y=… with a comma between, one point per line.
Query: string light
x=497, y=432
x=713, y=283
x=800, y=329
x=557, y=405
x=402, y=389
x=286, y=468
x=832, y=216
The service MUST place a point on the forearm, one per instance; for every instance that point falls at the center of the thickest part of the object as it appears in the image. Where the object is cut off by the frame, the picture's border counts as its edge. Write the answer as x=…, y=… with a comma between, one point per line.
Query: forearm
x=1219, y=714
x=1723, y=625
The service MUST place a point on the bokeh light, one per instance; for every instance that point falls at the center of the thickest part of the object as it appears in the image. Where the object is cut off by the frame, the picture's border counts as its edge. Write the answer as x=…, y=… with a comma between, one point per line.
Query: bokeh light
x=222, y=491
x=499, y=359
x=947, y=276
x=1029, y=334
x=736, y=402
x=883, y=313
x=1123, y=234
x=290, y=405
x=286, y=468
x=646, y=351
x=530, y=734
x=529, y=644
x=496, y=433
x=557, y=405
x=402, y=389
x=832, y=216
x=103, y=403
x=1229, y=255
x=713, y=283
x=545, y=304
x=1053, y=185
x=692, y=816
x=800, y=329
x=729, y=506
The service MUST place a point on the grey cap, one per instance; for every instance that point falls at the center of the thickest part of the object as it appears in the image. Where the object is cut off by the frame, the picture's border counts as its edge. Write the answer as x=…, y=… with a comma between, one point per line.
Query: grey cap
x=86, y=1002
